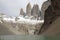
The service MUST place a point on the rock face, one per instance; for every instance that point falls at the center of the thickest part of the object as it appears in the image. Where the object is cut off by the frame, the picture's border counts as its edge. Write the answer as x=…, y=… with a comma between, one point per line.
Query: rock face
x=56, y=7
x=50, y=13
x=54, y=29
x=22, y=12
x=28, y=9
x=46, y=14
x=35, y=11
x=39, y=15
x=56, y=4
x=44, y=7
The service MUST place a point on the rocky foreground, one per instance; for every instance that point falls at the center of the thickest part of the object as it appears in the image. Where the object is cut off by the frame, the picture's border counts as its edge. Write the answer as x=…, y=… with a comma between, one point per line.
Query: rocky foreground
x=20, y=25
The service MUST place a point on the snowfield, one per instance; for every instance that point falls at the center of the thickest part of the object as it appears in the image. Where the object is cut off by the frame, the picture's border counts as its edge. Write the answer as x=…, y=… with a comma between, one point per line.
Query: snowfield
x=22, y=20
x=9, y=19
x=29, y=21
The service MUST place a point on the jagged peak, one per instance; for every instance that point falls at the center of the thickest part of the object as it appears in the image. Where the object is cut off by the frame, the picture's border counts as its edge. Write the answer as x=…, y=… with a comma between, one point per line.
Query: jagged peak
x=29, y=5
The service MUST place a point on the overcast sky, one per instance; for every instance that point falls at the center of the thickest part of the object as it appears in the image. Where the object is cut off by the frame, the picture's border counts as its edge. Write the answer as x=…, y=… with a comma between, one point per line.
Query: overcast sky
x=12, y=7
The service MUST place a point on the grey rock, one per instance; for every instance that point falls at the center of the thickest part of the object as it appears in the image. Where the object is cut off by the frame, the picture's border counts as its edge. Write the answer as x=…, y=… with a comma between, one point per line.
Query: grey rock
x=45, y=5
x=35, y=11
x=22, y=12
x=28, y=9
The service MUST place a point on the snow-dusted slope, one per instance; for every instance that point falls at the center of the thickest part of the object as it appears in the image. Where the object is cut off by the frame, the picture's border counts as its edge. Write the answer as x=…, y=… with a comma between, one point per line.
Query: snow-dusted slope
x=22, y=24
x=30, y=21
x=22, y=20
